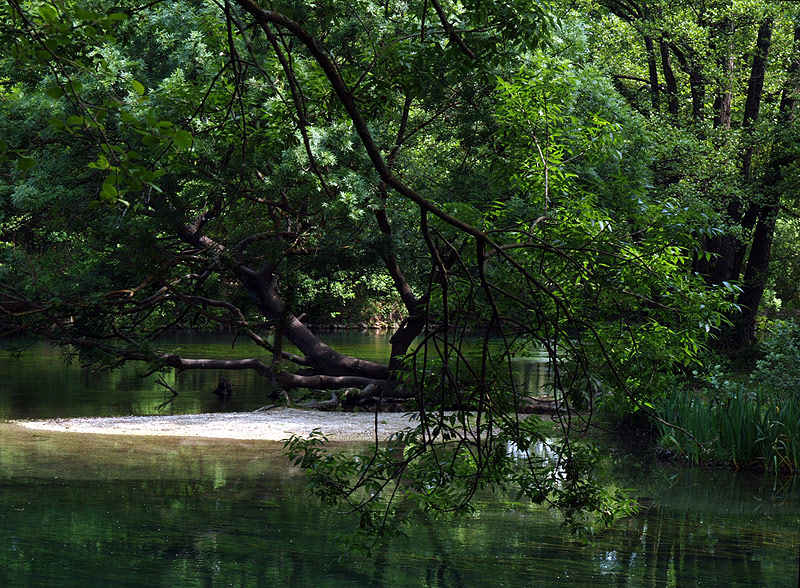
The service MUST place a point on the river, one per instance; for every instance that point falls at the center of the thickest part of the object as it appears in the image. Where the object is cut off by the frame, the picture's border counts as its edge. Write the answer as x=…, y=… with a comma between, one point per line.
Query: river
x=86, y=511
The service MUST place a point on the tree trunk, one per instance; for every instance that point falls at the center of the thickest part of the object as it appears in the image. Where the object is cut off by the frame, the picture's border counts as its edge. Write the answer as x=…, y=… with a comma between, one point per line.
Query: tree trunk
x=760, y=215
x=415, y=322
x=755, y=89
x=669, y=77
x=724, y=105
x=697, y=83
x=653, y=72
x=758, y=69
x=724, y=100
x=262, y=287
x=792, y=87
x=755, y=277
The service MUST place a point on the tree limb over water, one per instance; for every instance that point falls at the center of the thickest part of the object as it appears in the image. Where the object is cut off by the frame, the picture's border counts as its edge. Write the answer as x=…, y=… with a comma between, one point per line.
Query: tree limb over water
x=486, y=185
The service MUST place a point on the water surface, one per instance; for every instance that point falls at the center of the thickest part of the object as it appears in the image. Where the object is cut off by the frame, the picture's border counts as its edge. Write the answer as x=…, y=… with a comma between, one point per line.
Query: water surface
x=39, y=384
x=85, y=511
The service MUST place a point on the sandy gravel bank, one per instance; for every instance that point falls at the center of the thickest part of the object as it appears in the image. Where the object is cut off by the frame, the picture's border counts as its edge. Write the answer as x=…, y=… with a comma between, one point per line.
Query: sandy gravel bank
x=273, y=425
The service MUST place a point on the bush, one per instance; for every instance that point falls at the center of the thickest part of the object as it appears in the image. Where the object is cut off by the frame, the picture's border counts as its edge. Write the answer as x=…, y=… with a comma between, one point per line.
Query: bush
x=779, y=370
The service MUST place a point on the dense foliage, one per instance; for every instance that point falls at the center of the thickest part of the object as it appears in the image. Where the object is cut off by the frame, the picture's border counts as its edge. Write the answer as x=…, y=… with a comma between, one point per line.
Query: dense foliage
x=194, y=163
x=719, y=82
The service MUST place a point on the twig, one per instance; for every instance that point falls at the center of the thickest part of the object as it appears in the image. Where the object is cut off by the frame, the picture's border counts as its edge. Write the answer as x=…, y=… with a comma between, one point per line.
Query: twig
x=161, y=382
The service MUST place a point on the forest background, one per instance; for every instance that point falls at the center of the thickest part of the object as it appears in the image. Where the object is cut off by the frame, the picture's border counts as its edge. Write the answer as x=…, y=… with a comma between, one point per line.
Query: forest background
x=612, y=182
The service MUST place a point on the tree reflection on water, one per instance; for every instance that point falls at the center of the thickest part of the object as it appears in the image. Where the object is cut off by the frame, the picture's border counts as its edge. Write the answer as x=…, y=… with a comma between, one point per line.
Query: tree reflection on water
x=88, y=511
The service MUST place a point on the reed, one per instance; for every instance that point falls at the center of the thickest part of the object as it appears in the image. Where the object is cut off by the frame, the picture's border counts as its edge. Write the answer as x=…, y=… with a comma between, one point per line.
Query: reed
x=736, y=427
x=781, y=435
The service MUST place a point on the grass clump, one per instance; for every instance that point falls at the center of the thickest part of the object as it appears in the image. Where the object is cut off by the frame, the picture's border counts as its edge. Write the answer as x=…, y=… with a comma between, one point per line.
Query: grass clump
x=739, y=428
x=751, y=423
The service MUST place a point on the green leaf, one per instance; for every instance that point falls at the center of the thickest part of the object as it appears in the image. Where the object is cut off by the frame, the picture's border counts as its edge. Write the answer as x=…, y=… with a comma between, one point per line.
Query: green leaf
x=25, y=163
x=54, y=92
x=118, y=16
x=108, y=193
x=137, y=87
x=183, y=139
x=52, y=44
x=83, y=14
x=48, y=13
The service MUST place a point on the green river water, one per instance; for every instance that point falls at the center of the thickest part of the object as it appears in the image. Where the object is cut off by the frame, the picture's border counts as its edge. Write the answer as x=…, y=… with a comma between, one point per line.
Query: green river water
x=86, y=511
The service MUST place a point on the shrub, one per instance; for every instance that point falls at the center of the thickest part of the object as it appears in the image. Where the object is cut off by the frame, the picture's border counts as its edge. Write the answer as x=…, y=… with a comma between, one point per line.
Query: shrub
x=779, y=370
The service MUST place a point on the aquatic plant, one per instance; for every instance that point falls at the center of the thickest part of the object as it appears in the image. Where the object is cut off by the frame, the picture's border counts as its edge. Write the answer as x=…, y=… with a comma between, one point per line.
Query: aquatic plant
x=733, y=426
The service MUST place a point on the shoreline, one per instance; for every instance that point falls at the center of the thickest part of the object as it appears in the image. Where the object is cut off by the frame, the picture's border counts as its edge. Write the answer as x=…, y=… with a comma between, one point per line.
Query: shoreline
x=273, y=425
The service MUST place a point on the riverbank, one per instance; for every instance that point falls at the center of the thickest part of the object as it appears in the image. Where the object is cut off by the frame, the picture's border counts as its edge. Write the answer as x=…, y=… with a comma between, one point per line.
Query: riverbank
x=273, y=425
